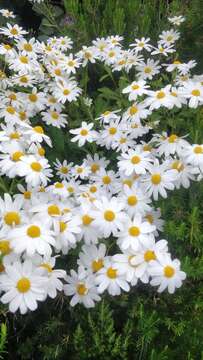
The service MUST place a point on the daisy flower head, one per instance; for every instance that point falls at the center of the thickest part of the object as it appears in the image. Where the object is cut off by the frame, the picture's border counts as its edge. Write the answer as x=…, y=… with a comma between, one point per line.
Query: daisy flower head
x=159, y=178
x=23, y=285
x=169, y=37
x=170, y=144
x=137, y=232
x=194, y=155
x=166, y=273
x=176, y=20
x=36, y=171
x=53, y=276
x=63, y=169
x=32, y=238
x=109, y=216
x=186, y=172
x=7, y=13
x=92, y=257
x=135, y=89
x=66, y=90
x=81, y=286
x=136, y=112
x=148, y=70
x=111, y=278
x=134, y=161
x=84, y=134
x=159, y=98
x=193, y=91
x=11, y=211
x=135, y=200
x=13, y=31
x=141, y=44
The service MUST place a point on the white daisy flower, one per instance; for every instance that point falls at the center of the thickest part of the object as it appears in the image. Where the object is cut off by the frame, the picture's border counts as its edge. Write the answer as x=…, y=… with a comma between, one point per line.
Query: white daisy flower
x=82, y=287
x=166, y=273
x=23, y=285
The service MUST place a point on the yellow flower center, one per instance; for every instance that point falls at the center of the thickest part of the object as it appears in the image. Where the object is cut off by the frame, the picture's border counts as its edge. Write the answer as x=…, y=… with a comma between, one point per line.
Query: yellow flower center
x=147, y=70
x=112, y=54
x=27, y=195
x=10, y=110
x=134, y=231
x=172, y=138
x=7, y=47
x=71, y=63
x=22, y=115
x=135, y=160
x=23, y=59
x=198, y=149
x=135, y=87
x=195, y=92
x=47, y=267
x=128, y=182
x=169, y=271
x=17, y=155
x=38, y=129
x=173, y=93
x=14, y=31
x=97, y=265
x=112, y=131
x=27, y=47
x=66, y=92
x=87, y=220
x=24, y=79
x=176, y=62
x=80, y=170
x=14, y=136
x=54, y=115
x=64, y=170
x=93, y=189
x=62, y=226
x=41, y=151
x=33, y=97
x=58, y=185
x=11, y=218
x=83, y=132
x=33, y=231
x=109, y=215
x=122, y=140
x=160, y=95
x=53, y=210
x=95, y=167
x=106, y=113
x=111, y=273
x=133, y=110
x=12, y=96
x=88, y=55
x=169, y=38
x=147, y=147
x=149, y=218
x=156, y=179
x=23, y=285
x=81, y=289
x=70, y=189
x=57, y=72
x=106, y=180
x=36, y=166
x=132, y=200
x=5, y=247
x=149, y=255
x=177, y=165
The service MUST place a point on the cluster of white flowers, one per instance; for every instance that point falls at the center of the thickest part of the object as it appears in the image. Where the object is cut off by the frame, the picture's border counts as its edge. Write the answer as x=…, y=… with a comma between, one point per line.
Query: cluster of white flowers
x=109, y=213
